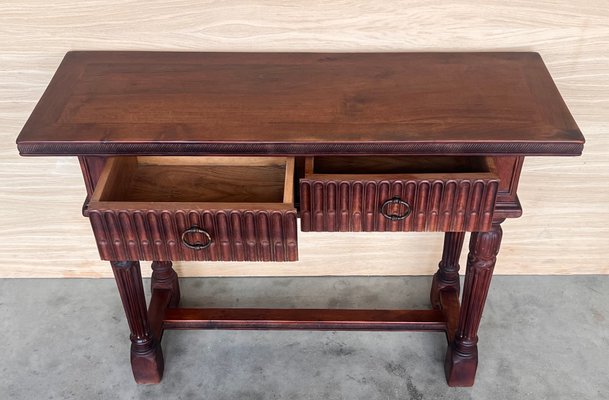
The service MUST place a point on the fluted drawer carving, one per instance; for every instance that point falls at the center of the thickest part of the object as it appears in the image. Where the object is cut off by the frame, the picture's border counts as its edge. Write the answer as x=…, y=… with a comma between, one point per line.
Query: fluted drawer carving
x=435, y=205
x=195, y=209
x=237, y=235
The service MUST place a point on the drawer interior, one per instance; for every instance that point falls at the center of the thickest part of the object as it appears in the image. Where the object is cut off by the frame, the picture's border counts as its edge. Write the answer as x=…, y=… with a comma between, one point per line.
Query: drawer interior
x=395, y=165
x=196, y=179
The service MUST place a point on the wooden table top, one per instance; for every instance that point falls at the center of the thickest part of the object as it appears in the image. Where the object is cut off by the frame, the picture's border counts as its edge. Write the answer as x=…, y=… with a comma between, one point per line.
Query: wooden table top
x=300, y=104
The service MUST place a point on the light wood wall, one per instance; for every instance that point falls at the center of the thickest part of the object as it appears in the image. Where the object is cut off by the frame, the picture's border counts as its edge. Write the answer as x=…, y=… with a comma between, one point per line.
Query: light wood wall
x=565, y=227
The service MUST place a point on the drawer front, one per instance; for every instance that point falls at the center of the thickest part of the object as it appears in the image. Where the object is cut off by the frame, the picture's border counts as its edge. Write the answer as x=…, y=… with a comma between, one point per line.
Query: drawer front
x=195, y=209
x=195, y=235
x=398, y=205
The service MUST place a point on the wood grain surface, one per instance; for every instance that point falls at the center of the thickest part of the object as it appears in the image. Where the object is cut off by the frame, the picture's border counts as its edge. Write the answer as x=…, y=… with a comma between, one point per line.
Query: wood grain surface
x=565, y=226
x=142, y=102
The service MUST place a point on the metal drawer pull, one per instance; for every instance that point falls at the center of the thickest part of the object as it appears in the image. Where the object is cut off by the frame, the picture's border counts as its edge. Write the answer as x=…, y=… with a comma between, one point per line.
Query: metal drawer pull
x=392, y=202
x=197, y=245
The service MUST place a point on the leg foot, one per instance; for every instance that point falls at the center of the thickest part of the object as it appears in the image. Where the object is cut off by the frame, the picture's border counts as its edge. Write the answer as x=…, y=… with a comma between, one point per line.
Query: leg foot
x=460, y=367
x=462, y=355
x=146, y=354
x=148, y=364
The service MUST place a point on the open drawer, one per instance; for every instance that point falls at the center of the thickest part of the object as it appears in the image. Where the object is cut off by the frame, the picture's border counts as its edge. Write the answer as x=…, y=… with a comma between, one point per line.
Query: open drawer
x=195, y=209
x=398, y=193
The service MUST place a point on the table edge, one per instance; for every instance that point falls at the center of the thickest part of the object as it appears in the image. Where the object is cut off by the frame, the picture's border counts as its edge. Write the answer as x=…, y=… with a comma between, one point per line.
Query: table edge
x=571, y=148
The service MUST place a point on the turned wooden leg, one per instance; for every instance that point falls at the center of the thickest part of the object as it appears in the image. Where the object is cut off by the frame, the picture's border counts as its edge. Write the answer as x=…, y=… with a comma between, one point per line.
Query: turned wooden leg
x=146, y=354
x=164, y=277
x=447, y=275
x=462, y=355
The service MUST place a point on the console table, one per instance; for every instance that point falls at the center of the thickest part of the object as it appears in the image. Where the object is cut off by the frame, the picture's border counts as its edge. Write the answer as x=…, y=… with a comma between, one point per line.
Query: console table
x=214, y=156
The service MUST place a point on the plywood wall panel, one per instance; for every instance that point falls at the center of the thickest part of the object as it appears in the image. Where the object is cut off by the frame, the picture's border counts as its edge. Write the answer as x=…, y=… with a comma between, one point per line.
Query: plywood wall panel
x=565, y=227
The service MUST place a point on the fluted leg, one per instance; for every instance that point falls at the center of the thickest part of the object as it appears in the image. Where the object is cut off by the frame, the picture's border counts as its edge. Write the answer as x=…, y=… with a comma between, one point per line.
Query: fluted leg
x=146, y=354
x=164, y=277
x=447, y=275
x=462, y=355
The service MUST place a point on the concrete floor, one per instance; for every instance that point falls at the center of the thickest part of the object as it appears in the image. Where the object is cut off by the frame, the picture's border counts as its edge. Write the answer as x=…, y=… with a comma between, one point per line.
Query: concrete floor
x=540, y=338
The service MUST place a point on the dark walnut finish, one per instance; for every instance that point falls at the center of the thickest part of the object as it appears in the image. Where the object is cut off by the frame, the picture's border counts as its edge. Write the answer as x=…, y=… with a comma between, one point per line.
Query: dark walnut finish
x=146, y=354
x=398, y=194
x=447, y=276
x=462, y=355
x=142, y=206
x=102, y=103
x=211, y=156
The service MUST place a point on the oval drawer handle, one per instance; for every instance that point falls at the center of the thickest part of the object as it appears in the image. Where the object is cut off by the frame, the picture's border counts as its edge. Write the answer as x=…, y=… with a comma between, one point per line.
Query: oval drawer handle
x=197, y=245
x=395, y=217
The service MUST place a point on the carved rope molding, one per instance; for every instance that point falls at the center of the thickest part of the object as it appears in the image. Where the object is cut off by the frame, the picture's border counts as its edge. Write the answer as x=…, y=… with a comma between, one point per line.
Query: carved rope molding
x=299, y=148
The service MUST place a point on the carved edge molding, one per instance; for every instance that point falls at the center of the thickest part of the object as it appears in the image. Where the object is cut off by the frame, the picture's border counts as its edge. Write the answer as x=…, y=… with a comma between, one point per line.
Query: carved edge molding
x=518, y=148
